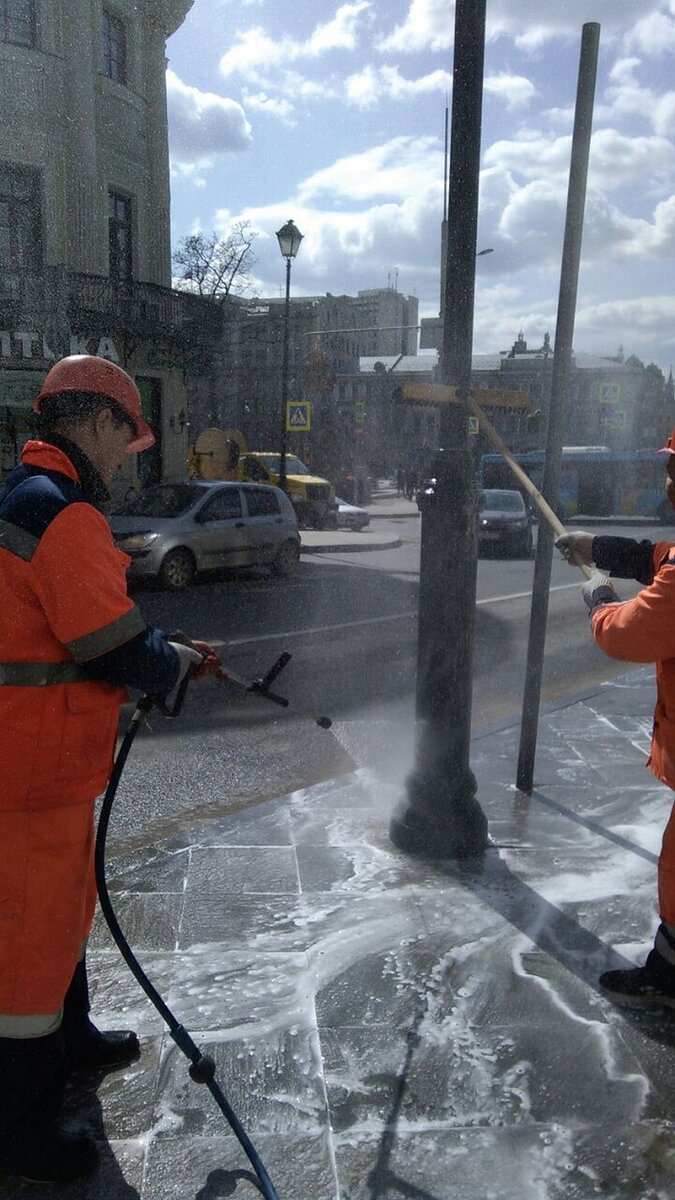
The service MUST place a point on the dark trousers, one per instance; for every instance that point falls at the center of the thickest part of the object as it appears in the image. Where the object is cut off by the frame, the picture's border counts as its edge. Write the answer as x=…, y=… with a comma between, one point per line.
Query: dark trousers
x=33, y=1070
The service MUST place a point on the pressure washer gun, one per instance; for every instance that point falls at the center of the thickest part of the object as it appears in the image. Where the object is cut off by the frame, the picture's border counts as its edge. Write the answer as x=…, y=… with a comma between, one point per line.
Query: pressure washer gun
x=224, y=674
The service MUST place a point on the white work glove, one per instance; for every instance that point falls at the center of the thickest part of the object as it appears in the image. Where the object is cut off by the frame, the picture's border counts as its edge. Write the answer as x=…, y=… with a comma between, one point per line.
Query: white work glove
x=598, y=590
x=576, y=548
x=188, y=659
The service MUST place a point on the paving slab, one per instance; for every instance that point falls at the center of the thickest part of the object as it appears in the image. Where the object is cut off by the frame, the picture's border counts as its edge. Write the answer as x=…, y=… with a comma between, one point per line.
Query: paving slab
x=388, y=1026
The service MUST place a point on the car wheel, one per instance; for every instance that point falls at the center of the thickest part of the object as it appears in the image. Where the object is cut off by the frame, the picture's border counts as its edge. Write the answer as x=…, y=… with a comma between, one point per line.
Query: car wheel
x=287, y=559
x=177, y=570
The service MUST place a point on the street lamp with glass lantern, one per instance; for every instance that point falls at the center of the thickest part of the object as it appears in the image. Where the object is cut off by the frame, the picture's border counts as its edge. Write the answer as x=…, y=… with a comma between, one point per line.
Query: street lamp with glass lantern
x=289, y=238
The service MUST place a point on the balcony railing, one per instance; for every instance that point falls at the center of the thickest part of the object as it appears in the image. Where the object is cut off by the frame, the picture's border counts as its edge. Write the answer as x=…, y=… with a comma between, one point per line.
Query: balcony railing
x=95, y=304
x=142, y=309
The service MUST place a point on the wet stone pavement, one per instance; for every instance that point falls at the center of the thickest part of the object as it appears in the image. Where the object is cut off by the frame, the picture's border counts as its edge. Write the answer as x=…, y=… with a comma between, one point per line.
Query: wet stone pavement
x=388, y=1027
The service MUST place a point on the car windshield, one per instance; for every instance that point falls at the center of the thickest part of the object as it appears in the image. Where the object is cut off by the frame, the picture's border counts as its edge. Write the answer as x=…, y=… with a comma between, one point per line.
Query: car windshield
x=169, y=500
x=293, y=465
x=503, y=501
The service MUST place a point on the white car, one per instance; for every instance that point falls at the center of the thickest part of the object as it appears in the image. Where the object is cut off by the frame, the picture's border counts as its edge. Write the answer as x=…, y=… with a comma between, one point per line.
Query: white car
x=350, y=516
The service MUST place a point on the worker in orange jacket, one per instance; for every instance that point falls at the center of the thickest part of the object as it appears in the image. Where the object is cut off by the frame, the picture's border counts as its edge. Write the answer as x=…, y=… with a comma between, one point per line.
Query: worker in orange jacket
x=641, y=630
x=71, y=642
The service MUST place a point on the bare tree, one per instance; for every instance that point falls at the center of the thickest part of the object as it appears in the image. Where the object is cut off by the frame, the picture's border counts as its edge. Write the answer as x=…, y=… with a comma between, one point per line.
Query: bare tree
x=213, y=266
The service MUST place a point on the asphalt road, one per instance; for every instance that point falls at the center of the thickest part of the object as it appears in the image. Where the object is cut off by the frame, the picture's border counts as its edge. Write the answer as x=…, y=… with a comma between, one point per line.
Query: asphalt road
x=349, y=622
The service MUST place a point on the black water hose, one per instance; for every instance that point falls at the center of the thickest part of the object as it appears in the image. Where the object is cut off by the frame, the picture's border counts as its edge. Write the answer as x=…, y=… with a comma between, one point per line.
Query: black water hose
x=202, y=1068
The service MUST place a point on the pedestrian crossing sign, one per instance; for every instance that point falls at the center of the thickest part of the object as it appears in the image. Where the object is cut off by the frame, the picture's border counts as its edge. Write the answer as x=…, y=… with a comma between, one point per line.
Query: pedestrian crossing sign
x=474, y=428
x=299, y=416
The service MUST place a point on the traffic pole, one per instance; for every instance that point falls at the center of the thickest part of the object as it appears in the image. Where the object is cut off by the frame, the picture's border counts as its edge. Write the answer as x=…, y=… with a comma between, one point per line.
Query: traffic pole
x=560, y=383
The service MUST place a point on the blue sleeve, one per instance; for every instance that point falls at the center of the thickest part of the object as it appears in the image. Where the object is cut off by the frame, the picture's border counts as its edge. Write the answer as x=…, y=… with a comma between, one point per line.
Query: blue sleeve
x=624, y=558
x=146, y=662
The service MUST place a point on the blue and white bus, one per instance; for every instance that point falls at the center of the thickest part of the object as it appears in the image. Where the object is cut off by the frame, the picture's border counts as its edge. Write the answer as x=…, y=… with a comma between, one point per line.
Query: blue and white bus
x=595, y=481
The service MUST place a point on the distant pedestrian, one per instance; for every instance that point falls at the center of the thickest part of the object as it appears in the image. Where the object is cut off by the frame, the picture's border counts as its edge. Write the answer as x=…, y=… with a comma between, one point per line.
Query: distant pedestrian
x=641, y=630
x=400, y=481
x=410, y=483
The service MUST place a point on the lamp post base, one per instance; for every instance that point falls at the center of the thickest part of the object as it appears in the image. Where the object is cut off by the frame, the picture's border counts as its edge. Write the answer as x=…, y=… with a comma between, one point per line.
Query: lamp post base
x=439, y=820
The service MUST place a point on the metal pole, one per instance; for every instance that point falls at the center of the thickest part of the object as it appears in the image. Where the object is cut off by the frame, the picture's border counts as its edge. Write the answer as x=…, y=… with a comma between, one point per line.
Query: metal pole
x=284, y=378
x=441, y=816
x=562, y=364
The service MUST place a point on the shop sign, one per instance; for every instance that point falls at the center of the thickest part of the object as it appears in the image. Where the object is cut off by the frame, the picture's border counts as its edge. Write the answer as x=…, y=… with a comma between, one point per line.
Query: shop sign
x=22, y=344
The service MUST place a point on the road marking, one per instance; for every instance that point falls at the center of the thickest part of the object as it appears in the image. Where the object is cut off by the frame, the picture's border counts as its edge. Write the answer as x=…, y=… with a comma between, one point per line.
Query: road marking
x=559, y=587
x=290, y=633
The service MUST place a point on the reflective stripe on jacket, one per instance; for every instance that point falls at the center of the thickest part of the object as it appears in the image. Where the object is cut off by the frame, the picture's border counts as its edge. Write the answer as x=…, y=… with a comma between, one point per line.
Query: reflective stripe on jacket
x=63, y=602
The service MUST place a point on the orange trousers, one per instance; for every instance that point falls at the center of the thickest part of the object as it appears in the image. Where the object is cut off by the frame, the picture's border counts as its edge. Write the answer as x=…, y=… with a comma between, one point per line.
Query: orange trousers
x=47, y=901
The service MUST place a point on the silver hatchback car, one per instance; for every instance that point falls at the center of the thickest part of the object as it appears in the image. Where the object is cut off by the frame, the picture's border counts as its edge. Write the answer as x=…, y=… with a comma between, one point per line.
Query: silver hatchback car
x=174, y=530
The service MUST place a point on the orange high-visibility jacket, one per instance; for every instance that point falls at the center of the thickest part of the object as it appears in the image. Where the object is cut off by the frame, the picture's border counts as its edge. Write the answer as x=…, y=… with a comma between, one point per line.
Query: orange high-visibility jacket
x=70, y=639
x=64, y=609
x=643, y=630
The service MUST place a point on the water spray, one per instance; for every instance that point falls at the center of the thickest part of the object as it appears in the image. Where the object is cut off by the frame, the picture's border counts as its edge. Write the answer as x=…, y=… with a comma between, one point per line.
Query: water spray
x=202, y=1067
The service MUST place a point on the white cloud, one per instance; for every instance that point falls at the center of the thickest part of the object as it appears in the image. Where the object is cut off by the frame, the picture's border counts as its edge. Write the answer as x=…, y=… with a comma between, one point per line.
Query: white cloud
x=364, y=88
x=653, y=35
x=515, y=90
x=393, y=203
x=644, y=323
x=616, y=160
x=626, y=97
x=429, y=24
x=202, y=126
x=400, y=168
x=275, y=106
x=530, y=155
x=254, y=53
x=371, y=86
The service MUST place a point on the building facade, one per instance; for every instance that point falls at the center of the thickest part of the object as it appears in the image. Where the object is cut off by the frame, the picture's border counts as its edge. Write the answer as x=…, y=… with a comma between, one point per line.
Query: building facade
x=613, y=401
x=85, y=258
x=328, y=335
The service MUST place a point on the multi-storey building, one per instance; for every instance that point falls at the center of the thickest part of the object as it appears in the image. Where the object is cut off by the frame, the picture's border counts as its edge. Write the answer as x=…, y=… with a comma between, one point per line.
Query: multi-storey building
x=85, y=260
x=328, y=336
x=613, y=401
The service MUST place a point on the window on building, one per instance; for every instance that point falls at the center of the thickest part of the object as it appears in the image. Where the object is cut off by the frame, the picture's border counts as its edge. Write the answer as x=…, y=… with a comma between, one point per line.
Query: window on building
x=20, y=221
x=17, y=22
x=114, y=48
x=119, y=237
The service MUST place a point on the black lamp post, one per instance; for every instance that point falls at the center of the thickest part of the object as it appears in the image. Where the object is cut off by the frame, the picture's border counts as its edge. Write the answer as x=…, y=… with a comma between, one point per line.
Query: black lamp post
x=441, y=817
x=289, y=238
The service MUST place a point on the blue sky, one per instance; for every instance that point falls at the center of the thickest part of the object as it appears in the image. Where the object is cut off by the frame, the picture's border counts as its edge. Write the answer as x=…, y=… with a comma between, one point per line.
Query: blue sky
x=333, y=114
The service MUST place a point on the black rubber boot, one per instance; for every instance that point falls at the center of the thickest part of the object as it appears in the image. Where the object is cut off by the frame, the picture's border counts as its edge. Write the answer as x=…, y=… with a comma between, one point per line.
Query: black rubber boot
x=32, y=1145
x=650, y=986
x=87, y=1048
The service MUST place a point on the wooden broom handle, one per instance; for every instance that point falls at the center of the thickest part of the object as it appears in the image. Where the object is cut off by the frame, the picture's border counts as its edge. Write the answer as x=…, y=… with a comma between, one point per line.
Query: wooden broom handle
x=543, y=506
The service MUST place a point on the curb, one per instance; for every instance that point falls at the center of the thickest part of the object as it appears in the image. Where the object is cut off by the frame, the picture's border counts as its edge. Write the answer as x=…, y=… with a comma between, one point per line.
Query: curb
x=348, y=547
x=397, y=514
x=608, y=522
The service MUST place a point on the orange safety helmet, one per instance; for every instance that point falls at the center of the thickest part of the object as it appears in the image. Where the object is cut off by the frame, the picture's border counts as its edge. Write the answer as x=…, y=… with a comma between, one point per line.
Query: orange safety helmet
x=669, y=447
x=89, y=373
